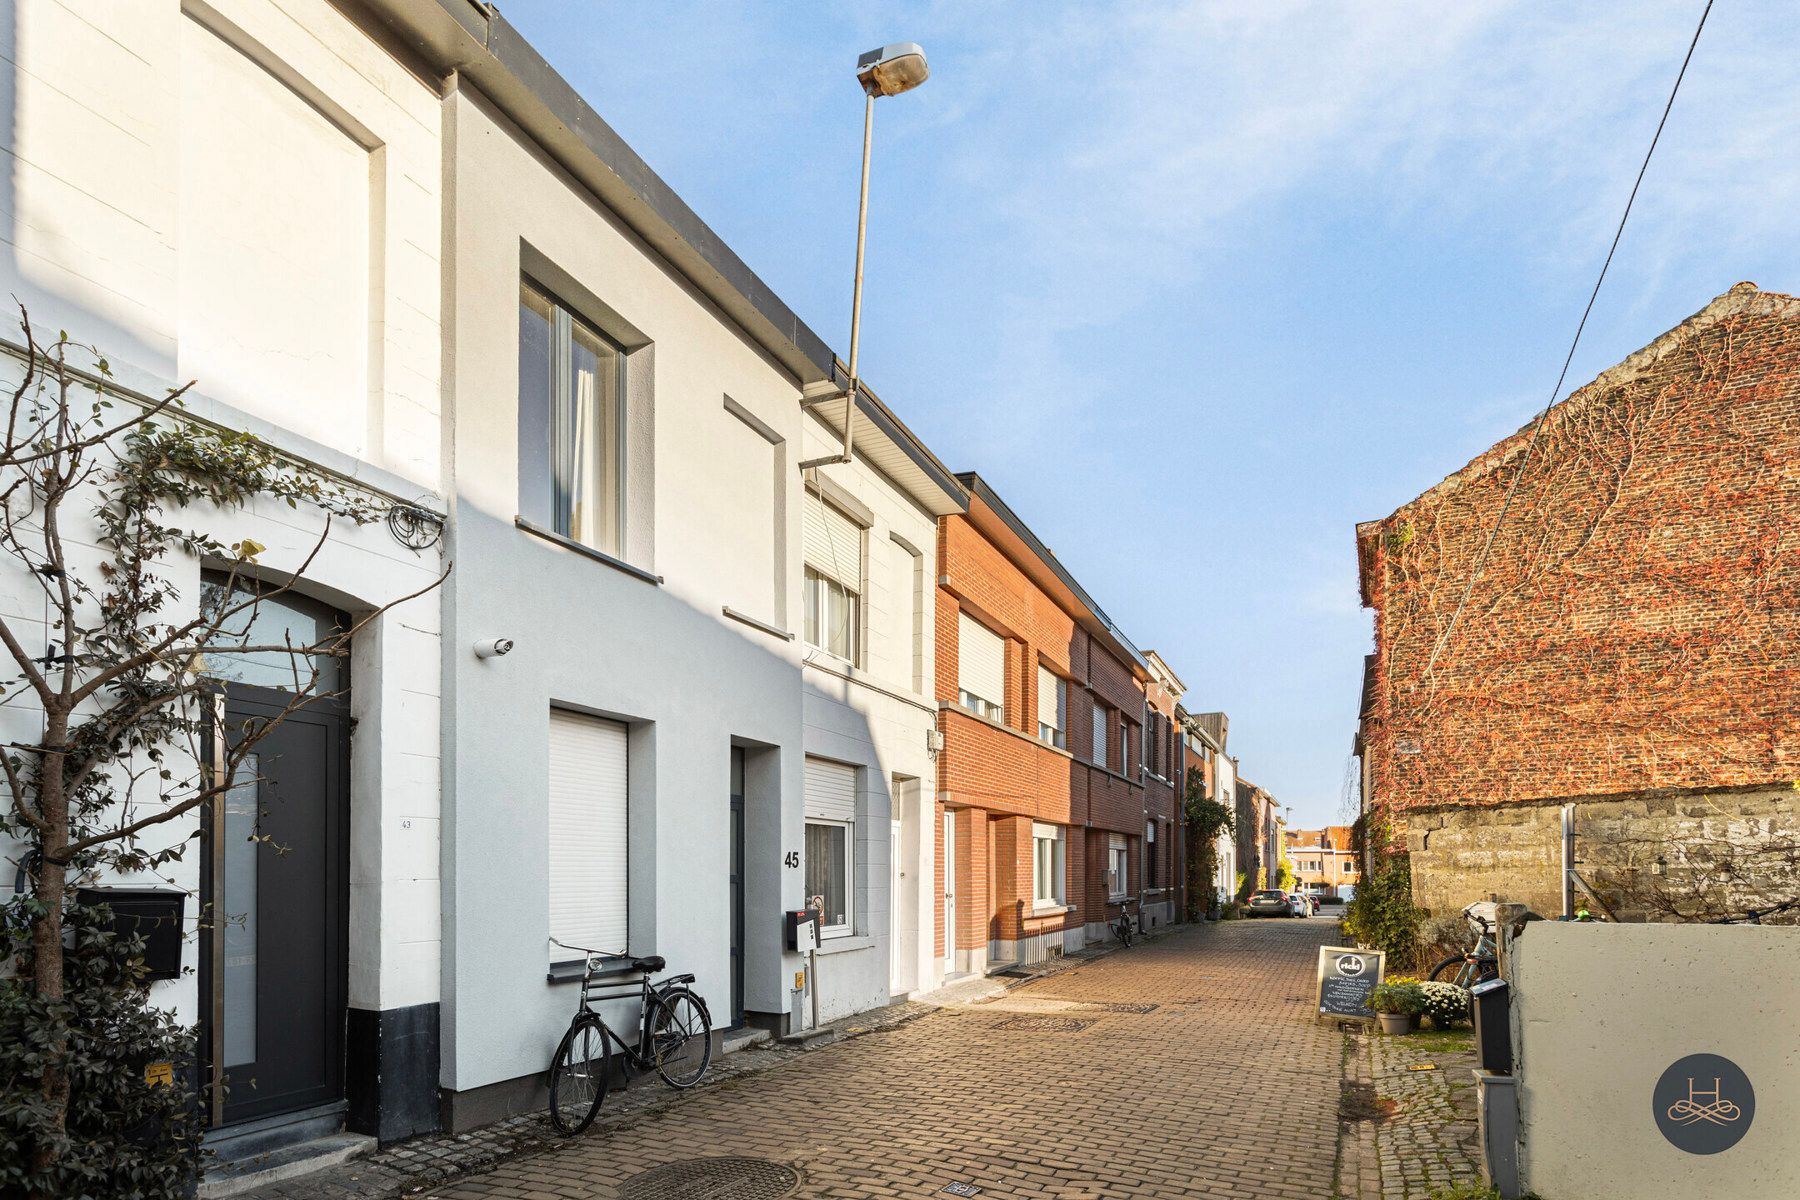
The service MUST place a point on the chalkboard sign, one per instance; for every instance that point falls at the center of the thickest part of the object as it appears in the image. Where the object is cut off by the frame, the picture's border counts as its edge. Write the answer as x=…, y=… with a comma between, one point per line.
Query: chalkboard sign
x=1346, y=978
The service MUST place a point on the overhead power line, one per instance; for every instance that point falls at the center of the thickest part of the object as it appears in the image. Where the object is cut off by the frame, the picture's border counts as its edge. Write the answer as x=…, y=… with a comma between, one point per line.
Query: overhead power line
x=1537, y=426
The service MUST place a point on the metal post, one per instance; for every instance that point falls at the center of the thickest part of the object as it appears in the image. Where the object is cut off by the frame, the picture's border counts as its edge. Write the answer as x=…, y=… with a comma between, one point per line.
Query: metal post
x=862, y=235
x=1568, y=862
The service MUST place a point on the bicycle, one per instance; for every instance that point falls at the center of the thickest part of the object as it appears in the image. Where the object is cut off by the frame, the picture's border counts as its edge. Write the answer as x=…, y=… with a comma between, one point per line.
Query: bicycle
x=1472, y=966
x=674, y=1039
x=1123, y=927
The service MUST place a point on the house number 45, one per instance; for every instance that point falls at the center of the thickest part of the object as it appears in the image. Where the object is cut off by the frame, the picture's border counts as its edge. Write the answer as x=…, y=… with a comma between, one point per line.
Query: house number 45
x=792, y=859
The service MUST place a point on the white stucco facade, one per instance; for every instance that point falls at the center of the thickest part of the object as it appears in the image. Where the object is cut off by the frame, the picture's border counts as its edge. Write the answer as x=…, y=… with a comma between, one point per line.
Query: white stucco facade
x=690, y=632
x=871, y=712
x=244, y=194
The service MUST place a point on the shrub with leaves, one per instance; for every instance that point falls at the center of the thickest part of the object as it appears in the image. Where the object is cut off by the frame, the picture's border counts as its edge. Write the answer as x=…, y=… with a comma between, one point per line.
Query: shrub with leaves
x=123, y=1137
x=1381, y=916
x=1446, y=1004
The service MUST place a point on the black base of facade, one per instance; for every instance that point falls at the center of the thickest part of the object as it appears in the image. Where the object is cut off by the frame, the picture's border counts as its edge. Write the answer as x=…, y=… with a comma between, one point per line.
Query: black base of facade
x=392, y=1077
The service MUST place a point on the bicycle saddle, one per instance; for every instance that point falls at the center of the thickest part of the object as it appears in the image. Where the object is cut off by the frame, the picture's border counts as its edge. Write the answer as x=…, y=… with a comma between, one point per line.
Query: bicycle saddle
x=651, y=965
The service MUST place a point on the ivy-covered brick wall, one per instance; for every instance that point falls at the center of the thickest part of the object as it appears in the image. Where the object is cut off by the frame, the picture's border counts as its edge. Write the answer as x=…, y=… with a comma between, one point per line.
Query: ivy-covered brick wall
x=1637, y=625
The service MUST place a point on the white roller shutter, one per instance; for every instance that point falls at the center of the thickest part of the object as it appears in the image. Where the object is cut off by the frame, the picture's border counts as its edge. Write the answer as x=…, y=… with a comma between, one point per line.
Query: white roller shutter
x=980, y=660
x=833, y=543
x=830, y=790
x=587, y=833
x=1050, y=699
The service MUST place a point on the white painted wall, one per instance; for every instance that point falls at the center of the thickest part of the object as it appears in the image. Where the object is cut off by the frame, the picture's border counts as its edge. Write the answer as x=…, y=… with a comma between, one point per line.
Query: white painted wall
x=148, y=210
x=664, y=658
x=877, y=718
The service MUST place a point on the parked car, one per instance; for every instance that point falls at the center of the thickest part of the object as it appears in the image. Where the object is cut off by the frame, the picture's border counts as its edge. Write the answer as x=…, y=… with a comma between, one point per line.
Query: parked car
x=1271, y=902
x=1299, y=905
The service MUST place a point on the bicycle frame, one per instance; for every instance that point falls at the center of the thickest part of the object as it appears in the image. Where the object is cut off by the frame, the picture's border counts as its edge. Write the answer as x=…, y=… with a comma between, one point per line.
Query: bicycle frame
x=636, y=1059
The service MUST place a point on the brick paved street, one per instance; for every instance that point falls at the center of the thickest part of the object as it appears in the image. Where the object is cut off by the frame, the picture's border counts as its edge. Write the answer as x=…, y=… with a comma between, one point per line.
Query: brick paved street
x=1225, y=1088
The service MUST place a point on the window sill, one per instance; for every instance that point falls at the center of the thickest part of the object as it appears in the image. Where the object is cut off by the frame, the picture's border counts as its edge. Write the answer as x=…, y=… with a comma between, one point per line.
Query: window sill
x=752, y=622
x=952, y=706
x=830, y=664
x=1050, y=910
x=571, y=970
x=844, y=943
x=586, y=551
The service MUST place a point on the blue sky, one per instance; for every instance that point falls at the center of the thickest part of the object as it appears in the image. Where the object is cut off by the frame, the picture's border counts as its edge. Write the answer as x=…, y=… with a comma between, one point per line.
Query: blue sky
x=1197, y=287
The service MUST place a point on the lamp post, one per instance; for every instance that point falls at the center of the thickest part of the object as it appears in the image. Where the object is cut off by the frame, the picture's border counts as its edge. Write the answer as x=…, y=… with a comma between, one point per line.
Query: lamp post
x=887, y=71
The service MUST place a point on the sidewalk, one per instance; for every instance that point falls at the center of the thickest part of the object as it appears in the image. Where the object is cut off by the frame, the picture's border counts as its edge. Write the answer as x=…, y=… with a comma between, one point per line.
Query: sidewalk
x=1408, y=1110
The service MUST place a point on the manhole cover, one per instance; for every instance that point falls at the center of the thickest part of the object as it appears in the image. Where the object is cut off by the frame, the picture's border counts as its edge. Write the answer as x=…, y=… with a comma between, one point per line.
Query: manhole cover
x=712, y=1179
x=1114, y=1007
x=1046, y=1024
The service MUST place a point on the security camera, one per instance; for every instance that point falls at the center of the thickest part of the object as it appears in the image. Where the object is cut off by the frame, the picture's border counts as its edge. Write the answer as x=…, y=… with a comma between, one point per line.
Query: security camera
x=493, y=649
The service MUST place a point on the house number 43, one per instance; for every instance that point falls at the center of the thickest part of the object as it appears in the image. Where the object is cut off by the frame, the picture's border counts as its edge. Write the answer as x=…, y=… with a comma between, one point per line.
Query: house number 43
x=792, y=859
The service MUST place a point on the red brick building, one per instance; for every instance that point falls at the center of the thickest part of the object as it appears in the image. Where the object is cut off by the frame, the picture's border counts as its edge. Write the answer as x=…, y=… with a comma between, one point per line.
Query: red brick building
x=1042, y=808
x=1164, y=879
x=1323, y=861
x=1632, y=646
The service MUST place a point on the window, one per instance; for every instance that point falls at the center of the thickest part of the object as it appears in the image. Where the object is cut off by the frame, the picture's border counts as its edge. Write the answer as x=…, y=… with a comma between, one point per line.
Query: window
x=1101, y=722
x=587, y=874
x=570, y=423
x=1150, y=865
x=1047, y=864
x=1124, y=745
x=1117, y=866
x=1051, y=699
x=1152, y=761
x=831, y=616
x=834, y=580
x=831, y=844
x=980, y=668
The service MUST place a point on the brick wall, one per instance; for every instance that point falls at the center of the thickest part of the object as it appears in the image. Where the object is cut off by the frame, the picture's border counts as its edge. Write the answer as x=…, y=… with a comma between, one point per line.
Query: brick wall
x=1000, y=777
x=1637, y=625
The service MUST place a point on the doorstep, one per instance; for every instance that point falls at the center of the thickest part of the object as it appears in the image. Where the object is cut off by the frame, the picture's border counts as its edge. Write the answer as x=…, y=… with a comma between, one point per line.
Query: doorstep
x=236, y=1176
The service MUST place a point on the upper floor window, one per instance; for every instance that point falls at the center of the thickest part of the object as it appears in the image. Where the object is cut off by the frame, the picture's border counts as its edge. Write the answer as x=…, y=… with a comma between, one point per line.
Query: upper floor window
x=980, y=668
x=832, y=612
x=833, y=580
x=571, y=423
x=1102, y=721
x=1052, y=698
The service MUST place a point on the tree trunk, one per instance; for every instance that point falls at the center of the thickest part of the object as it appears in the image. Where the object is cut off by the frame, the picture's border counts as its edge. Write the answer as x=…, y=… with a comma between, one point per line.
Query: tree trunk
x=47, y=939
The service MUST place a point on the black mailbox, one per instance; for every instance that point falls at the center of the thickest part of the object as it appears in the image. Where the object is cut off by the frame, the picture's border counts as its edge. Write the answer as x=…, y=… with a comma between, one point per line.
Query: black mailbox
x=802, y=929
x=1489, y=1001
x=153, y=914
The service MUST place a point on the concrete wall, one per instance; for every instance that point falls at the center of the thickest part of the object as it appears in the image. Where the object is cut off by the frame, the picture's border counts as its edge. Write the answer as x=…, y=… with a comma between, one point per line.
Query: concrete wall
x=1722, y=853
x=1602, y=1011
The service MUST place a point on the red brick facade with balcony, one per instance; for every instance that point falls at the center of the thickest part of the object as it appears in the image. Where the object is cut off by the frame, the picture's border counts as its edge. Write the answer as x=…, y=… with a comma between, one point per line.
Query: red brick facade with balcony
x=998, y=779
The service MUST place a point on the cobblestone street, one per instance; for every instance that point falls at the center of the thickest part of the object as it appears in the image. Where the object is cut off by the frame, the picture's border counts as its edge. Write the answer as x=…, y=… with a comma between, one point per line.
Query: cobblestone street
x=1222, y=1086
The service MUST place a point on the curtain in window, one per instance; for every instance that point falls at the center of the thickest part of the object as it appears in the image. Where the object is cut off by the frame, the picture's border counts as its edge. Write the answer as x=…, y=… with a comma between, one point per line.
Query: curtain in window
x=826, y=847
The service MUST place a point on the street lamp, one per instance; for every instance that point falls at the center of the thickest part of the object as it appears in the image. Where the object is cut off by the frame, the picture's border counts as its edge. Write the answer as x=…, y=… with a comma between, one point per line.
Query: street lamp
x=886, y=71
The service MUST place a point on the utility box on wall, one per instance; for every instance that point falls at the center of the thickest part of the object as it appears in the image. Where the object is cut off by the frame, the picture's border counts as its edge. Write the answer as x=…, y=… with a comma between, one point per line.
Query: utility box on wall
x=1655, y=1062
x=153, y=914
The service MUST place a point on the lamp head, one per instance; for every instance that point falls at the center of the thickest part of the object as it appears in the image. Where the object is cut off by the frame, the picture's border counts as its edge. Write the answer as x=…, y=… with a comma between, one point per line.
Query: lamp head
x=892, y=69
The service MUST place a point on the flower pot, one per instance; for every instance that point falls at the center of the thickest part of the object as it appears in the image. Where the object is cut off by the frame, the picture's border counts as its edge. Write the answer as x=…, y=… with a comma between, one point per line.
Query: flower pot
x=1412, y=1022
x=1396, y=1022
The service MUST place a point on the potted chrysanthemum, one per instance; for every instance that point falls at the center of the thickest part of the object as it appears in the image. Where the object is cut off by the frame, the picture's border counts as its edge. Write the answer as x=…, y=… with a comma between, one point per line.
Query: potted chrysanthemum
x=1398, y=1004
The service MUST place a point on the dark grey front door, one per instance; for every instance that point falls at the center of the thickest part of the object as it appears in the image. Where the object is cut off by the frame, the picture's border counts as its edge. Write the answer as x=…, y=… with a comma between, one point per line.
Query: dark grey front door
x=276, y=882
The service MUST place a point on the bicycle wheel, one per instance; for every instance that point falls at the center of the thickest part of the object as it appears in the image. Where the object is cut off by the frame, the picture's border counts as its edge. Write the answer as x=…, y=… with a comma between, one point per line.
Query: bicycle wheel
x=1450, y=971
x=681, y=1037
x=578, y=1076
